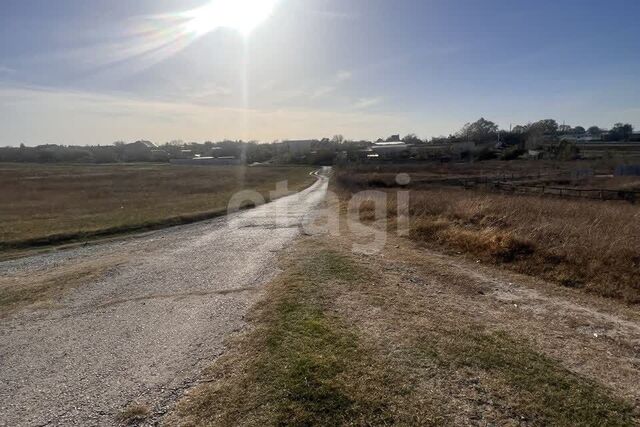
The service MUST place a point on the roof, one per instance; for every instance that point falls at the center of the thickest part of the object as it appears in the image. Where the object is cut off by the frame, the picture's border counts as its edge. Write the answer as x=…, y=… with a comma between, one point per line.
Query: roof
x=388, y=144
x=390, y=147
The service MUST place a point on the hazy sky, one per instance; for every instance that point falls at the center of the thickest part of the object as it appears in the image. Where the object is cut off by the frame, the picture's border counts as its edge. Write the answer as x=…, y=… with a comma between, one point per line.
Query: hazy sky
x=97, y=71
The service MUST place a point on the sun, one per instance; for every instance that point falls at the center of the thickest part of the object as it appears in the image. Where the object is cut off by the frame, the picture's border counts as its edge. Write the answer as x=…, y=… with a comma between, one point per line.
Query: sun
x=240, y=15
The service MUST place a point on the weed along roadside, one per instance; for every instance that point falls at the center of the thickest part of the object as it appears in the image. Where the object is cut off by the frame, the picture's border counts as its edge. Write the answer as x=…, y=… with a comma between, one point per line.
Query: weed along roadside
x=300, y=363
x=591, y=246
x=343, y=339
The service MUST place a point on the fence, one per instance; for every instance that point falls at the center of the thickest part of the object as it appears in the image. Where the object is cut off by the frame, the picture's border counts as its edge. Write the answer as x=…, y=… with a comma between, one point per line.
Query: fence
x=496, y=183
x=593, y=194
x=471, y=181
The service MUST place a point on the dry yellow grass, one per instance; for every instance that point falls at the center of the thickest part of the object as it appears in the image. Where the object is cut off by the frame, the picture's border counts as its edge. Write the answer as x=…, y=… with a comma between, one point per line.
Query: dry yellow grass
x=43, y=287
x=584, y=244
x=134, y=414
x=54, y=203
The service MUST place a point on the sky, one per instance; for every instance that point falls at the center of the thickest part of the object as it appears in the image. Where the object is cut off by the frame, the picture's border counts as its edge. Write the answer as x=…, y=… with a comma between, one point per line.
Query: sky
x=79, y=72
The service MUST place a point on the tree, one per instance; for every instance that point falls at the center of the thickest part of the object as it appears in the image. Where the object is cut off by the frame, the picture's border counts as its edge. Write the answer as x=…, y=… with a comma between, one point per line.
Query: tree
x=538, y=132
x=546, y=127
x=485, y=154
x=512, y=138
x=564, y=129
x=594, y=130
x=622, y=131
x=480, y=131
x=412, y=139
x=579, y=130
x=337, y=139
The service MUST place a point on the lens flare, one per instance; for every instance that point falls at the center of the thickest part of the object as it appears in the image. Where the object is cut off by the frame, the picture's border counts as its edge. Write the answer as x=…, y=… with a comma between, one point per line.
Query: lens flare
x=240, y=15
x=153, y=39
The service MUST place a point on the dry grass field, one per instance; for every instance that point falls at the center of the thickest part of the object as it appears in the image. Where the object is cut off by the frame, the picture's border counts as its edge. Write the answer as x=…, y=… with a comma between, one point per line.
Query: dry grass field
x=486, y=168
x=43, y=204
x=591, y=245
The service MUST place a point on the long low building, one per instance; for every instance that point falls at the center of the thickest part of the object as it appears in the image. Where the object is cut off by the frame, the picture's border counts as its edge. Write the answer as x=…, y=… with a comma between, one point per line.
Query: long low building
x=208, y=161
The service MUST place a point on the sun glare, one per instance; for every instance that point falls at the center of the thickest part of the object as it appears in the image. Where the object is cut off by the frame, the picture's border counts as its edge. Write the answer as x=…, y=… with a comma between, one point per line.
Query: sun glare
x=240, y=15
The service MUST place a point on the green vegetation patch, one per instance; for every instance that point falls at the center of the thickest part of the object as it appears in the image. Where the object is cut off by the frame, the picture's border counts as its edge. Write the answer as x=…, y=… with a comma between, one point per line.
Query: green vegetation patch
x=301, y=365
x=311, y=354
x=537, y=387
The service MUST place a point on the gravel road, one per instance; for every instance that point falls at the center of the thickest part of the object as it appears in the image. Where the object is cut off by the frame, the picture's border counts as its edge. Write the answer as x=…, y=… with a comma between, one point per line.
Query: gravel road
x=145, y=329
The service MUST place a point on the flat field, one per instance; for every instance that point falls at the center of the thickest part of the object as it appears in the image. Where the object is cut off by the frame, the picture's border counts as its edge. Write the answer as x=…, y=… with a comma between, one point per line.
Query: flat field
x=584, y=244
x=43, y=204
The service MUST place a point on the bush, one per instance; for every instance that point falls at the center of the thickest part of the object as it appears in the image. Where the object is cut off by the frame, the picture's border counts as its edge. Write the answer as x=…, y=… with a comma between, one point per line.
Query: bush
x=485, y=154
x=512, y=154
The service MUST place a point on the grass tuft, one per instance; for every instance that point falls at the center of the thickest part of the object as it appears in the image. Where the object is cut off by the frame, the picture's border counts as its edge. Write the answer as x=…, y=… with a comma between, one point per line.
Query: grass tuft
x=36, y=288
x=540, y=390
x=302, y=365
x=134, y=414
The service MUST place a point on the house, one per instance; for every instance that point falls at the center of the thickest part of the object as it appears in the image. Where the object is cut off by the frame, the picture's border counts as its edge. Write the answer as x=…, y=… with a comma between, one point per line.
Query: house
x=590, y=138
x=391, y=150
x=436, y=151
x=184, y=153
x=208, y=161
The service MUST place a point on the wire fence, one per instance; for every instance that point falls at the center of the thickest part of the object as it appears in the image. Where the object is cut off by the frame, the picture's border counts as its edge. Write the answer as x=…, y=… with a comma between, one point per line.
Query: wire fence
x=567, y=192
x=517, y=184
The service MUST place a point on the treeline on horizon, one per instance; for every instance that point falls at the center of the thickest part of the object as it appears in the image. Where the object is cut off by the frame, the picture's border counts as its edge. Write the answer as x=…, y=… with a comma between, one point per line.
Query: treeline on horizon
x=481, y=132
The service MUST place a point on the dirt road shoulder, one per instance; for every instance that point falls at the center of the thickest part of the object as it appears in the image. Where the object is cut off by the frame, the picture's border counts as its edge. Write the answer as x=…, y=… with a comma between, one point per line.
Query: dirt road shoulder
x=416, y=337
